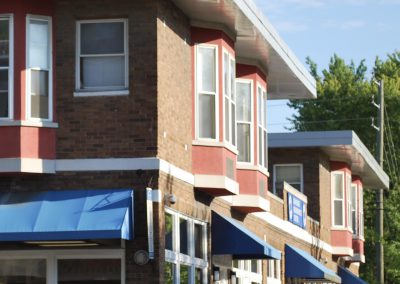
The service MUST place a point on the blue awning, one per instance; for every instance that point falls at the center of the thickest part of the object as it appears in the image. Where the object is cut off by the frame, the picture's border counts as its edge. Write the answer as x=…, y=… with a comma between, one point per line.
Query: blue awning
x=301, y=265
x=66, y=215
x=230, y=237
x=348, y=277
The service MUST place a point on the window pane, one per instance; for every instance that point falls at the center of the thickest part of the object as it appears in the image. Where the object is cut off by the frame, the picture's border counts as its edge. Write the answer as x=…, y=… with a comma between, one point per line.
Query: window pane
x=89, y=271
x=3, y=104
x=103, y=72
x=243, y=142
x=265, y=149
x=235, y=263
x=4, y=80
x=198, y=279
x=226, y=118
x=338, y=213
x=290, y=174
x=259, y=107
x=207, y=116
x=39, y=44
x=184, y=276
x=260, y=143
x=169, y=272
x=39, y=94
x=28, y=271
x=233, y=77
x=4, y=43
x=353, y=196
x=102, y=38
x=226, y=74
x=198, y=241
x=265, y=111
x=233, y=124
x=354, y=221
x=207, y=69
x=168, y=231
x=183, y=235
x=338, y=184
x=254, y=266
x=243, y=101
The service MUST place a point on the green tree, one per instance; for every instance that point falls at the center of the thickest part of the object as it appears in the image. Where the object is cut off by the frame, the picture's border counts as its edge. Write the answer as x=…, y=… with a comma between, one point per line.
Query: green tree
x=344, y=103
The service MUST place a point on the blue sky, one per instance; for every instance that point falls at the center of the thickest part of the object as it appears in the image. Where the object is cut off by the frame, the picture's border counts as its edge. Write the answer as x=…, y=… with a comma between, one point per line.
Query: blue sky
x=353, y=29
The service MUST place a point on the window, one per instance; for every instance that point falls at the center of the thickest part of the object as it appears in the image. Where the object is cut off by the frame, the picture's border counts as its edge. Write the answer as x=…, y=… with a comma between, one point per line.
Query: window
x=289, y=173
x=206, y=89
x=348, y=197
x=94, y=266
x=273, y=271
x=185, y=249
x=247, y=271
x=244, y=120
x=354, y=218
x=6, y=74
x=39, y=68
x=361, y=211
x=262, y=127
x=229, y=98
x=102, y=57
x=338, y=198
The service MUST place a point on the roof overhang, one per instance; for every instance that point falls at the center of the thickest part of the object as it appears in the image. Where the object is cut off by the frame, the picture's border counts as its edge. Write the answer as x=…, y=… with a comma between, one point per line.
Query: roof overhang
x=343, y=146
x=256, y=41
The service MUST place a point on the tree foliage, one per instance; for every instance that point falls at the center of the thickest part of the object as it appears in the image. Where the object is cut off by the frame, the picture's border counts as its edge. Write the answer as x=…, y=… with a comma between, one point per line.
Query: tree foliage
x=345, y=94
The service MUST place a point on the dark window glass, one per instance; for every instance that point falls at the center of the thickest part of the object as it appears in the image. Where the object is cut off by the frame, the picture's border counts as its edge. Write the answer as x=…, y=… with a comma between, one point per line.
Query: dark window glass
x=169, y=272
x=183, y=225
x=198, y=241
x=168, y=231
x=24, y=271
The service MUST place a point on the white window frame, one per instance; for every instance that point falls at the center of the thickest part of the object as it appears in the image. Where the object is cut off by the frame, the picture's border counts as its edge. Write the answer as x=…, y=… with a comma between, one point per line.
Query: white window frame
x=198, y=91
x=246, y=275
x=47, y=19
x=343, y=200
x=246, y=81
x=348, y=202
x=274, y=266
x=101, y=91
x=227, y=92
x=263, y=151
x=354, y=187
x=190, y=260
x=52, y=256
x=275, y=166
x=10, y=19
x=361, y=211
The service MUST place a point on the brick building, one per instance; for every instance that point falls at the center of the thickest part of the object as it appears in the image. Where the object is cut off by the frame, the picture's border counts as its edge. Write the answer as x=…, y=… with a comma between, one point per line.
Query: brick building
x=133, y=147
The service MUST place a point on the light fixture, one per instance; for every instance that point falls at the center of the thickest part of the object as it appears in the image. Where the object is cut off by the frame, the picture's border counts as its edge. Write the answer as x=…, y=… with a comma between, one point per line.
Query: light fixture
x=216, y=273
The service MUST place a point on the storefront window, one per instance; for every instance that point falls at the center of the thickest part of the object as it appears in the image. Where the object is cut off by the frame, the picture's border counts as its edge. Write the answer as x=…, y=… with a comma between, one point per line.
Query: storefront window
x=247, y=271
x=27, y=271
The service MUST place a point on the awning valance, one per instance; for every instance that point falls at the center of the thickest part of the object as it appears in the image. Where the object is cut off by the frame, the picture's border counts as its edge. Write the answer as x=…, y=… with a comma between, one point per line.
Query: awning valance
x=348, y=277
x=301, y=265
x=66, y=215
x=230, y=237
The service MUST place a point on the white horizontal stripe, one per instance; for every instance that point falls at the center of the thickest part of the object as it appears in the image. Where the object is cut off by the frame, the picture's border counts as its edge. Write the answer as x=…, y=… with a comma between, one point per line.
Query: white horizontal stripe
x=27, y=165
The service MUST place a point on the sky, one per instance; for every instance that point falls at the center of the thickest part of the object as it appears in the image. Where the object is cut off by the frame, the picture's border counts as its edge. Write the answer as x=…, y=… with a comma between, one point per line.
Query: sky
x=353, y=29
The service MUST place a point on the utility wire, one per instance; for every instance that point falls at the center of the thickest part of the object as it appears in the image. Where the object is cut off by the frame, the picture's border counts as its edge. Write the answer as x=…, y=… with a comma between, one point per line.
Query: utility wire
x=321, y=121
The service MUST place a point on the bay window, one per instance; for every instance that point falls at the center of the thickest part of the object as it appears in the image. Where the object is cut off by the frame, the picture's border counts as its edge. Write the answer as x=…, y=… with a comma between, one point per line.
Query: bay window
x=6, y=47
x=244, y=120
x=262, y=127
x=229, y=73
x=39, y=68
x=338, y=199
x=206, y=89
x=185, y=249
x=102, y=57
x=354, y=213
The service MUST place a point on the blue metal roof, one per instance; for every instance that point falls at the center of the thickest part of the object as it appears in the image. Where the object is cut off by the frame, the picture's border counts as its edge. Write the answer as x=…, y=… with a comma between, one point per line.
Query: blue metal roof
x=301, y=265
x=230, y=237
x=348, y=277
x=66, y=215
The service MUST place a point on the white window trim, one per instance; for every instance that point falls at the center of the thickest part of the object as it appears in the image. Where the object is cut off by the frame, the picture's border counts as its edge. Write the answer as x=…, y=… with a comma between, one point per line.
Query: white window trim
x=357, y=225
x=196, y=101
x=102, y=91
x=10, y=19
x=289, y=165
x=252, y=117
x=241, y=272
x=52, y=256
x=189, y=260
x=361, y=211
x=260, y=121
x=229, y=139
x=343, y=226
x=47, y=19
x=348, y=202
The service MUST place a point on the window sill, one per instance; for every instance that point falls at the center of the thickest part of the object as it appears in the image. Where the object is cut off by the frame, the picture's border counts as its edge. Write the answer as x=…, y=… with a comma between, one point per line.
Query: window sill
x=215, y=143
x=28, y=123
x=251, y=167
x=101, y=93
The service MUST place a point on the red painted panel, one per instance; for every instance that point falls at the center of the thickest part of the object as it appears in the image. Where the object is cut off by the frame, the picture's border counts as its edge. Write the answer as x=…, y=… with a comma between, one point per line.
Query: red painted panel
x=249, y=181
x=358, y=246
x=10, y=142
x=38, y=143
x=340, y=166
x=211, y=160
x=341, y=238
